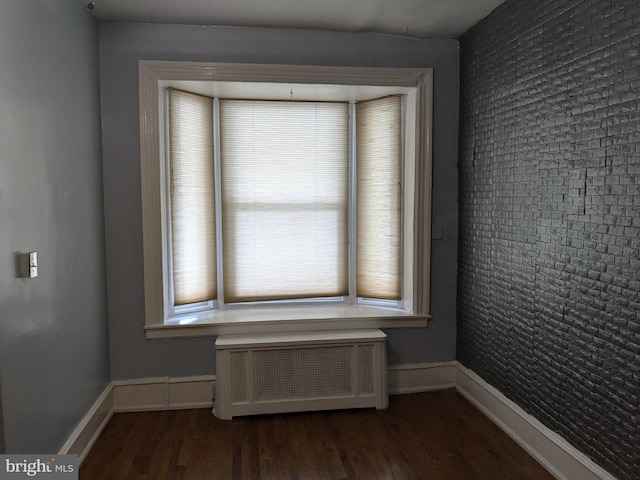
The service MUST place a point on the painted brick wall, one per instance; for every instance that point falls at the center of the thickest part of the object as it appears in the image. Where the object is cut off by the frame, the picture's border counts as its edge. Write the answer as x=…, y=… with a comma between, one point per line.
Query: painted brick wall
x=549, y=243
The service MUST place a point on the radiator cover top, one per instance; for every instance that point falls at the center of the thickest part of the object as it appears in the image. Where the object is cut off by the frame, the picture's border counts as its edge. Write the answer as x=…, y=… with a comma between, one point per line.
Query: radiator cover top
x=260, y=374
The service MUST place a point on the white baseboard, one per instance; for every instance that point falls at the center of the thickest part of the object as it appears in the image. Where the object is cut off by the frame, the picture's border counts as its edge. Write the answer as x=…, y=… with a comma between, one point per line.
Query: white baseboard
x=562, y=460
x=424, y=377
x=137, y=395
x=88, y=430
x=163, y=393
x=553, y=452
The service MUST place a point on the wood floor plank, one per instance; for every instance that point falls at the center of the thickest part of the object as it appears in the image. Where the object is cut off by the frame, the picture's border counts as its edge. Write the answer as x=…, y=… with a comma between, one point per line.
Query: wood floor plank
x=430, y=436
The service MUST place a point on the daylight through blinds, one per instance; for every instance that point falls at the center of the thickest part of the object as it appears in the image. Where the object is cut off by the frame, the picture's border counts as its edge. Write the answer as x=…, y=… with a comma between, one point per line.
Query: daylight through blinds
x=378, y=204
x=284, y=190
x=192, y=199
x=284, y=197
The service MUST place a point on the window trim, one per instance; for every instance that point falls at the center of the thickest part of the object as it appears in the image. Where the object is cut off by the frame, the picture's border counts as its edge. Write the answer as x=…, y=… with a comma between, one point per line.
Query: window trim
x=153, y=179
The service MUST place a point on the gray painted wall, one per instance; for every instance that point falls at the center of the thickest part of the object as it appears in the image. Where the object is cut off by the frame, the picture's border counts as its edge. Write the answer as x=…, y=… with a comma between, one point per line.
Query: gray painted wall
x=123, y=45
x=53, y=329
x=2, y=447
x=549, y=266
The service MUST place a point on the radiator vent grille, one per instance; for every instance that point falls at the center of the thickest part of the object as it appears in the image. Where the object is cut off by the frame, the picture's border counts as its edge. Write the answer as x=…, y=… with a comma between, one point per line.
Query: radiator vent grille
x=365, y=364
x=239, y=377
x=299, y=373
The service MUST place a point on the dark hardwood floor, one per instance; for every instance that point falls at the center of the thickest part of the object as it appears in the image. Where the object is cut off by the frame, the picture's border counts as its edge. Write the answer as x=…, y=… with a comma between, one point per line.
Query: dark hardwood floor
x=437, y=436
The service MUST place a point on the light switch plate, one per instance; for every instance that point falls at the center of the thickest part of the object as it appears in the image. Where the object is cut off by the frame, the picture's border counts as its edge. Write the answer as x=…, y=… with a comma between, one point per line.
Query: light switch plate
x=33, y=264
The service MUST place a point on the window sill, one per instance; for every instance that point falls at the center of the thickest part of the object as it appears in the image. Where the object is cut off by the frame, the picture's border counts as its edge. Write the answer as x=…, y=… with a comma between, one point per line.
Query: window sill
x=284, y=319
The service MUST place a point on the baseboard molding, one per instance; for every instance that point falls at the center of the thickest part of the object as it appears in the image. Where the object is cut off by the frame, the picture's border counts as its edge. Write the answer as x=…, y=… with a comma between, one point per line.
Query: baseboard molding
x=88, y=430
x=164, y=393
x=424, y=377
x=553, y=452
x=137, y=395
x=562, y=460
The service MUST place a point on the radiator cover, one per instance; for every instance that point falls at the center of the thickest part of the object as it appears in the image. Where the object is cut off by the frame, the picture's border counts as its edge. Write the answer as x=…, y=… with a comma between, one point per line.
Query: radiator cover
x=258, y=374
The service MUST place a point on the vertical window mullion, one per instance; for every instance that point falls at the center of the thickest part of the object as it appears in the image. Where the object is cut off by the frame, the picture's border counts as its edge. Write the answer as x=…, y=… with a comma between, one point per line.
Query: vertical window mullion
x=403, y=196
x=352, y=204
x=168, y=189
x=218, y=190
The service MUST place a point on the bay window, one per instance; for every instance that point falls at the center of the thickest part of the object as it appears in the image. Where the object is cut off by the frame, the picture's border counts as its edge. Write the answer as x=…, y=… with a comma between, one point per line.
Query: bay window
x=284, y=198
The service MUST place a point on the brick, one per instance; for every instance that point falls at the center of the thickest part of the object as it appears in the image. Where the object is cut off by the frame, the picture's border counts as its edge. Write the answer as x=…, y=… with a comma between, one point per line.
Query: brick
x=549, y=111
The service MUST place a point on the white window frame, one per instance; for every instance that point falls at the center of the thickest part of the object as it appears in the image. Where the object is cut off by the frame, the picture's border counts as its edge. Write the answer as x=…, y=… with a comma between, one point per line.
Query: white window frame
x=298, y=317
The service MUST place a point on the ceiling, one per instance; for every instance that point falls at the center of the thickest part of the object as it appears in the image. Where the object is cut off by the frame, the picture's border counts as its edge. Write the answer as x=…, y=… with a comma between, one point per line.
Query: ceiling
x=417, y=18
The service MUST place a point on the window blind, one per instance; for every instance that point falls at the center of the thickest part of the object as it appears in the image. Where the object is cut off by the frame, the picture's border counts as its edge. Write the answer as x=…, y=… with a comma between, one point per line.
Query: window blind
x=284, y=197
x=378, y=198
x=193, y=226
